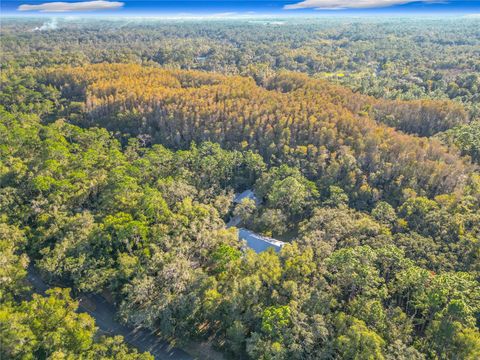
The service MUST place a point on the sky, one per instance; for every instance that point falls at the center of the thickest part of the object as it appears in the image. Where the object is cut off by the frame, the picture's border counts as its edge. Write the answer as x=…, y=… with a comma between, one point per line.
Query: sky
x=232, y=8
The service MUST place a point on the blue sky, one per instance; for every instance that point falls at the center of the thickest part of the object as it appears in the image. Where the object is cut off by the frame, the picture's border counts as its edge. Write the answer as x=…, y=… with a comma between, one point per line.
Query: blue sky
x=239, y=8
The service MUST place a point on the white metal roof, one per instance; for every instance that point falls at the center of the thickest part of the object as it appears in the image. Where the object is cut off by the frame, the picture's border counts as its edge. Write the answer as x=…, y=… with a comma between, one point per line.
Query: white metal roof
x=257, y=242
x=247, y=194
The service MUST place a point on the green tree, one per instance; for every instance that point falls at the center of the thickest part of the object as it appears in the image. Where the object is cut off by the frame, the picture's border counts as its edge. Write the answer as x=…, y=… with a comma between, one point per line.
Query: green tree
x=13, y=262
x=51, y=328
x=357, y=342
x=245, y=210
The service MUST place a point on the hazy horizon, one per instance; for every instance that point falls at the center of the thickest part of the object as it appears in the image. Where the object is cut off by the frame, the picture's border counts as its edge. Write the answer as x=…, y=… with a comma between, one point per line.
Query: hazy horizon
x=262, y=8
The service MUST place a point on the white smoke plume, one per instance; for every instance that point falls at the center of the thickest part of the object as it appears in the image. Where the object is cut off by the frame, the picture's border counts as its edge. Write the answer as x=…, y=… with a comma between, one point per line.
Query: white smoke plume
x=49, y=25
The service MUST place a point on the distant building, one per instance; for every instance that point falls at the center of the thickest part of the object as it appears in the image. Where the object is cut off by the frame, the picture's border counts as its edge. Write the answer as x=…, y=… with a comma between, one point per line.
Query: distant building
x=259, y=243
x=247, y=194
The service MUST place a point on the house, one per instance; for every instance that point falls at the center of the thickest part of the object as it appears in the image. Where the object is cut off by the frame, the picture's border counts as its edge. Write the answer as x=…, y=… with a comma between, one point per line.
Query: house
x=256, y=242
x=247, y=194
x=259, y=243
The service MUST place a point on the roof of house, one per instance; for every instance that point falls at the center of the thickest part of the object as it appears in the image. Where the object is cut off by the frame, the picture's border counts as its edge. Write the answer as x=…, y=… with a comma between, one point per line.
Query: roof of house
x=247, y=194
x=259, y=243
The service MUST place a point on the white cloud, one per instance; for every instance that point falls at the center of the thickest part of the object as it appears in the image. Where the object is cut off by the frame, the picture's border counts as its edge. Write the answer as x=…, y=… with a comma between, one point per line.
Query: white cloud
x=349, y=4
x=72, y=6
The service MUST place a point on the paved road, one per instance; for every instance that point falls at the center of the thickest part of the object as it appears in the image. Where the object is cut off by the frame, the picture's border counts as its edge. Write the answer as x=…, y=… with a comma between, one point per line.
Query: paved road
x=104, y=315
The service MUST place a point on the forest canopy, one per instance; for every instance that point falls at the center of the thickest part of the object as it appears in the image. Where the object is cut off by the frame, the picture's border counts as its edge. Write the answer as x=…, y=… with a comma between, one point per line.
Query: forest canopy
x=119, y=166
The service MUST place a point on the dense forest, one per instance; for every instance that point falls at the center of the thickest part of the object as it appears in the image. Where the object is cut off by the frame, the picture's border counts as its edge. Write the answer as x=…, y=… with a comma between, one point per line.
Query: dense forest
x=122, y=146
x=393, y=58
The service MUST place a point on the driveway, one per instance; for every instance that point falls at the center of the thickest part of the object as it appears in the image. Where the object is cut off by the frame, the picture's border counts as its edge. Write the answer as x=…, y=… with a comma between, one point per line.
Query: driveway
x=104, y=315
